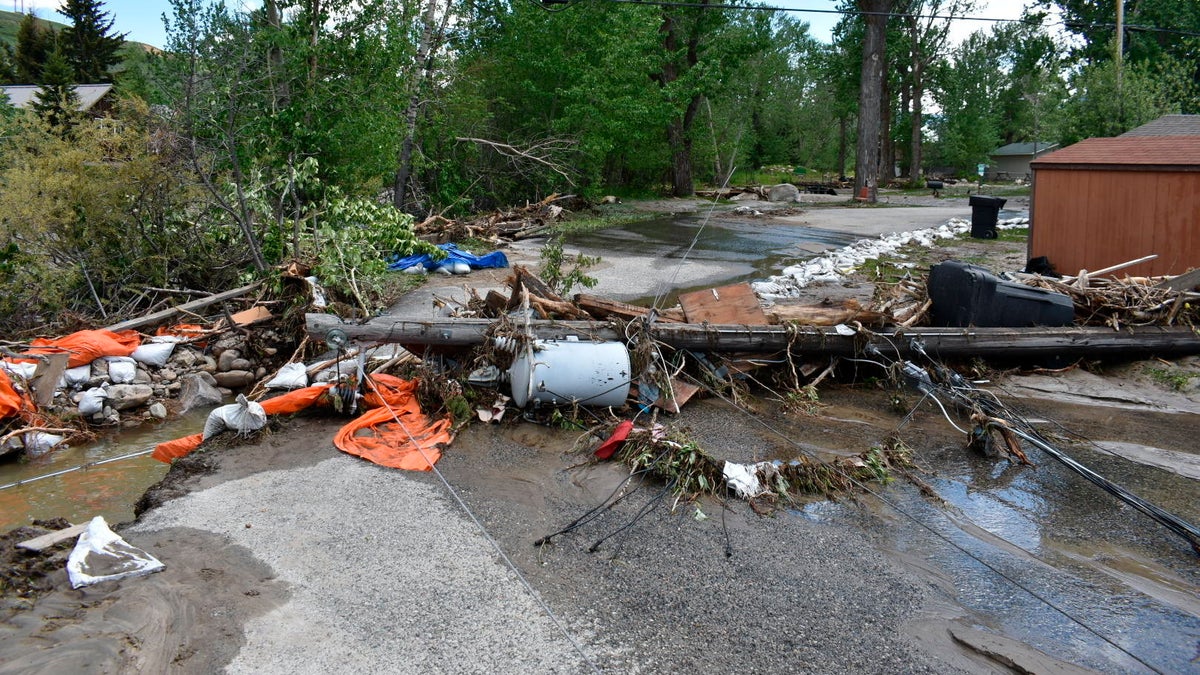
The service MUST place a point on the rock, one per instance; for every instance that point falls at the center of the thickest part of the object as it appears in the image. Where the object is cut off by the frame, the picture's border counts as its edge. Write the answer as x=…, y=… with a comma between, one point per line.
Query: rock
x=210, y=364
x=208, y=377
x=185, y=357
x=126, y=396
x=270, y=351
x=242, y=364
x=196, y=391
x=744, y=197
x=230, y=342
x=235, y=379
x=99, y=369
x=159, y=390
x=225, y=391
x=260, y=373
x=226, y=360
x=784, y=192
x=174, y=388
x=158, y=411
x=167, y=375
x=142, y=377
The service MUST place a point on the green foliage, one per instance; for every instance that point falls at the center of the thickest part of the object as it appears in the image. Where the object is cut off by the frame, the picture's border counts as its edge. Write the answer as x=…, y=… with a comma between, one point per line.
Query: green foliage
x=34, y=44
x=1104, y=107
x=562, y=281
x=56, y=101
x=1173, y=377
x=89, y=43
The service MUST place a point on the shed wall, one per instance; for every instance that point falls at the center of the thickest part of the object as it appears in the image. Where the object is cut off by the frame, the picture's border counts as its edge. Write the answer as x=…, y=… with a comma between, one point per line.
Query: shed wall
x=1090, y=219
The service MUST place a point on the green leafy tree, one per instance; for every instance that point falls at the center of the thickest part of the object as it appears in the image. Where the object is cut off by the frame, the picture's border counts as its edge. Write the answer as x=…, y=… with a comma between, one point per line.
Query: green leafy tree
x=89, y=43
x=1102, y=107
x=8, y=64
x=34, y=44
x=56, y=101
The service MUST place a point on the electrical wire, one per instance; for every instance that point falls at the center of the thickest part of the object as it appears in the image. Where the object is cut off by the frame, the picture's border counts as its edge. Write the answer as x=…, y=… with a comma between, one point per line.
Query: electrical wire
x=81, y=467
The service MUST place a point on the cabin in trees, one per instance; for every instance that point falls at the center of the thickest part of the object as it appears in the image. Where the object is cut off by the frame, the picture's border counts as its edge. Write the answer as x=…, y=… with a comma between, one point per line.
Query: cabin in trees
x=1010, y=162
x=1104, y=201
x=95, y=100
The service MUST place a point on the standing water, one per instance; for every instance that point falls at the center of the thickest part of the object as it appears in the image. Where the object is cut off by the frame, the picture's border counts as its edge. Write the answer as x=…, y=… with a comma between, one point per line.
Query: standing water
x=108, y=490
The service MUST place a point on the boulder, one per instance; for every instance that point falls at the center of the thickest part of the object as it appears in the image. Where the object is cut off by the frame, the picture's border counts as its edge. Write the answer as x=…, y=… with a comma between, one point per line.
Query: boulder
x=225, y=362
x=235, y=379
x=784, y=192
x=126, y=396
x=196, y=391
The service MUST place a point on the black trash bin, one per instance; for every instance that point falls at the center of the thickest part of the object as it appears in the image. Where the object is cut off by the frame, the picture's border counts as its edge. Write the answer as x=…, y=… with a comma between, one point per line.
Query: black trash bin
x=985, y=211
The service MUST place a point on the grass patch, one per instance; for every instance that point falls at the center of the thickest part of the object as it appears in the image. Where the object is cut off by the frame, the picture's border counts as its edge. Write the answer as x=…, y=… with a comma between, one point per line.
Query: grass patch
x=602, y=218
x=1173, y=378
x=1018, y=234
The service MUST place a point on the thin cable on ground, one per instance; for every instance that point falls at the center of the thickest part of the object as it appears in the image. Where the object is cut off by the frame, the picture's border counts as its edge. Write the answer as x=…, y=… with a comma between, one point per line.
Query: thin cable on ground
x=929, y=528
x=81, y=467
x=486, y=535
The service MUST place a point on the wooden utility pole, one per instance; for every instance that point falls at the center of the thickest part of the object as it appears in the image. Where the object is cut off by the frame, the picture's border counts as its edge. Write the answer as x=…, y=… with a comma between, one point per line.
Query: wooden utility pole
x=870, y=95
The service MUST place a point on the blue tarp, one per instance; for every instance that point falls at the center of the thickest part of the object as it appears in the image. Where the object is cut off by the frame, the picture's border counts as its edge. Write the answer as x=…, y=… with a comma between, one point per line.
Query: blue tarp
x=453, y=254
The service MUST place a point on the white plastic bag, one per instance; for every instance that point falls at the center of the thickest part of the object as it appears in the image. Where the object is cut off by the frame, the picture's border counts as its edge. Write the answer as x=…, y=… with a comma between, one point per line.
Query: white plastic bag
x=290, y=376
x=153, y=353
x=92, y=401
x=38, y=443
x=243, y=417
x=74, y=377
x=121, y=369
x=23, y=370
x=101, y=555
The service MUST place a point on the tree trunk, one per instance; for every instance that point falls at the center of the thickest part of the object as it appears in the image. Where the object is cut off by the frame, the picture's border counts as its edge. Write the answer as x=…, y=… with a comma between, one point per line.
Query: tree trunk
x=420, y=66
x=870, y=92
x=887, y=147
x=914, y=168
x=843, y=131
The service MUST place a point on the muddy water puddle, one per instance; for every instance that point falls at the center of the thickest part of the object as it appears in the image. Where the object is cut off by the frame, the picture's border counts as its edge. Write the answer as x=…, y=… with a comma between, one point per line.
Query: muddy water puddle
x=109, y=489
x=1072, y=546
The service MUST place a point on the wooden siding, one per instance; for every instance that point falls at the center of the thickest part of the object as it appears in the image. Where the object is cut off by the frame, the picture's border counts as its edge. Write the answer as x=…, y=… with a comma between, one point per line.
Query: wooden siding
x=1091, y=219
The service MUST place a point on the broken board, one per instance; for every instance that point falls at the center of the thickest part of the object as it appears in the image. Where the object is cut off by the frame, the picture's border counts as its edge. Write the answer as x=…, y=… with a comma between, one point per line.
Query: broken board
x=734, y=304
x=39, y=544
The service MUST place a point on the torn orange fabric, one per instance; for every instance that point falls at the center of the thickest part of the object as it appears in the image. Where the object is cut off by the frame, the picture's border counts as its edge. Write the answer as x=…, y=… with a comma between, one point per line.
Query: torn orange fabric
x=187, y=331
x=373, y=436
x=10, y=400
x=86, y=346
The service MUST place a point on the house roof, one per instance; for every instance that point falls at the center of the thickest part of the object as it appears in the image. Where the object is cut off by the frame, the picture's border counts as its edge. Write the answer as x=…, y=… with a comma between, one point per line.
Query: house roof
x=22, y=95
x=1129, y=153
x=1023, y=149
x=1168, y=125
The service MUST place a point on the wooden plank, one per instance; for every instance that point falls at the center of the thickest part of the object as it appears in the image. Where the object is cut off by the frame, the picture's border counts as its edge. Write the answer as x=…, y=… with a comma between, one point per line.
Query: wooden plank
x=39, y=544
x=602, y=308
x=1015, y=343
x=734, y=304
x=159, y=317
x=49, y=371
x=684, y=391
x=1184, y=282
x=824, y=315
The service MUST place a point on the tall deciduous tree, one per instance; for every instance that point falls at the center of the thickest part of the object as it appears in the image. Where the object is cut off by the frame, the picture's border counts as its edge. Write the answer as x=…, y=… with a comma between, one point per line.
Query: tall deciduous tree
x=89, y=43
x=870, y=96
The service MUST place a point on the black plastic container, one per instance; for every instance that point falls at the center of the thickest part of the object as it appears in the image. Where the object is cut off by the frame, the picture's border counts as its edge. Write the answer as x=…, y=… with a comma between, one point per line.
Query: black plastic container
x=969, y=295
x=985, y=213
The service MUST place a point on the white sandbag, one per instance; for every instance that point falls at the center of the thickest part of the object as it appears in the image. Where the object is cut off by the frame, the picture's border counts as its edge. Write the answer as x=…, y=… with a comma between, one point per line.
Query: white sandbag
x=121, y=369
x=38, y=443
x=92, y=401
x=101, y=555
x=459, y=267
x=24, y=371
x=77, y=376
x=290, y=376
x=243, y=417
x=153, y=353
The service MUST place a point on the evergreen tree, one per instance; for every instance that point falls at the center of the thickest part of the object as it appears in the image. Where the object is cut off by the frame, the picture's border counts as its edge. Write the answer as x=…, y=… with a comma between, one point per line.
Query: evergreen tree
x=89, y=44
x=56, y=101
x=33, y=46
x=8, y=65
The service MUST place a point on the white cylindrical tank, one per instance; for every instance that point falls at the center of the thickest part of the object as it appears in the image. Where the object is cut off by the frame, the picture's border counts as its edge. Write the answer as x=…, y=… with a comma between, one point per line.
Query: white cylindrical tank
x=566, y=371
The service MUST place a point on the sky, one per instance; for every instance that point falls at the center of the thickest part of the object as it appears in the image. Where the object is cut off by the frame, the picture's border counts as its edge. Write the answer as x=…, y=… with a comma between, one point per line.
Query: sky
x=142, y=21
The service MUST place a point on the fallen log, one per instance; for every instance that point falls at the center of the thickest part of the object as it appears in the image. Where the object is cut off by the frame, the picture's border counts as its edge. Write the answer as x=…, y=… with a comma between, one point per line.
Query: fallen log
x=604, y=308
x=1015, y=343
x=159, y=317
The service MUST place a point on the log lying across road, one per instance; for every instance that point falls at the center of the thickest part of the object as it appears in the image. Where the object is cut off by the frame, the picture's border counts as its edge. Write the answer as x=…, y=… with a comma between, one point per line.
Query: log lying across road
x=1014, y=343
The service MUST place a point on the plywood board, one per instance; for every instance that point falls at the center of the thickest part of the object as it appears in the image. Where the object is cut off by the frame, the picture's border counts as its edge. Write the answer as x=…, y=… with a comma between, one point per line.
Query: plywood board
x=39, y=544
x=734, y=304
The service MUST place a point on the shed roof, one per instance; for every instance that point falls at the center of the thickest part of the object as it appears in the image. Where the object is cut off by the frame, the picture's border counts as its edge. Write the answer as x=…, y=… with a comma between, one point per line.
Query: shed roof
x=1131, y=153
x=1168, y=125
x=1023, y=149
x=22, y=95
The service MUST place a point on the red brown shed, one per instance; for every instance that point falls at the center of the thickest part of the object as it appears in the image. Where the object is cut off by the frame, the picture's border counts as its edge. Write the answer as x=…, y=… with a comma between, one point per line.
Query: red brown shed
x=1105, y=201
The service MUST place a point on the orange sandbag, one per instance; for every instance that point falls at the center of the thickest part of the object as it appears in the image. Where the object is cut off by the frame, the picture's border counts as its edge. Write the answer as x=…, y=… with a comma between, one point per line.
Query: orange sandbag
x=10, y=400
x=86, y=346
x=295, y=400
x=169, y=450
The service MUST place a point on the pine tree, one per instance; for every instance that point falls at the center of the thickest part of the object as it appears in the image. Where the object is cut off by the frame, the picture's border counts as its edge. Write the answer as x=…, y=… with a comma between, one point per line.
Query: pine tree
x=33, y=46
x=8, y=65
x=56, y=101
x=88, y=43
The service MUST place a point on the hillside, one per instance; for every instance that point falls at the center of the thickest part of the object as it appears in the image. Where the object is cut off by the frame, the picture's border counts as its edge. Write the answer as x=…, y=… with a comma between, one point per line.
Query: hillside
x=10, y=22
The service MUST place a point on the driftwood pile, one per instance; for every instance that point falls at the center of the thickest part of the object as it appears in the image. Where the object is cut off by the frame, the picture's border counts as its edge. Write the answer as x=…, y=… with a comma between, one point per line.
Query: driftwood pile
x=511, y=224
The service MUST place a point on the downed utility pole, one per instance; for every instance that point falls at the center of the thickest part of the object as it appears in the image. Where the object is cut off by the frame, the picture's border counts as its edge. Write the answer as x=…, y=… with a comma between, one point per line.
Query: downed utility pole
x=945, y=342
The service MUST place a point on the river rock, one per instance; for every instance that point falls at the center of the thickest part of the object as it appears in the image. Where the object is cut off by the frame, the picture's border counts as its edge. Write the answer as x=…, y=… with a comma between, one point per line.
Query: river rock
x=196, y=391
x=784, y=192
x=126, y=396
x=235, y=379
x=226, y=360
x=158, y=411
x=209, y=365
x=142, y=377
x=260, y=373
x=173, y=388
x=186, y=358
x=242, y=364
x=167, y=375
